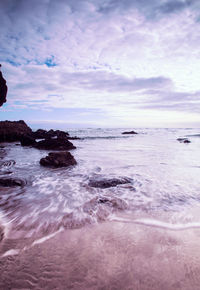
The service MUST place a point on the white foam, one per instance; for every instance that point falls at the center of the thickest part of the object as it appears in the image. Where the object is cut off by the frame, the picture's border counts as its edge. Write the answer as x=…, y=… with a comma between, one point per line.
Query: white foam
x=158, y=224
x=5, y=224
x=43, y=239
x=11, y=252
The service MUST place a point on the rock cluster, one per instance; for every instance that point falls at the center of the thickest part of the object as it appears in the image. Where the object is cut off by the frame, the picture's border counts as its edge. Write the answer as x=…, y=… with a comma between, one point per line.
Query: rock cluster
x=19, y=131
x=51, y=140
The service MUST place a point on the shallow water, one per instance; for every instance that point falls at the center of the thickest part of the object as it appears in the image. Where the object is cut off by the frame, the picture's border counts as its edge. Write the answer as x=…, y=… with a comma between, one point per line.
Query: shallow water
x=57, y=207
x=164, y=176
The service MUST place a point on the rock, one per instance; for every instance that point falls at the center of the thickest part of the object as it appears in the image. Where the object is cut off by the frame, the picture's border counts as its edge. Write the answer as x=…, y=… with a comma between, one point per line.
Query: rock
x=101, y=207
x=130, y=132
x=44, y=134
x=116, y=203
x=55, y=144
x=184, y=140
x=39, y=134
x=3, y=89
x=58, y=159
x=27, y=140
x=101, y=182
x=10, y=182
x=13, y=131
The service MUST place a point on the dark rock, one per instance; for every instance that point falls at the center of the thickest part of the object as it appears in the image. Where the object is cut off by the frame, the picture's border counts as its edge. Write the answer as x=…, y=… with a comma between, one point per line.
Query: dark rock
x=27, y=140
x=39, y=134
x=102, y=182
x=13, y=131
x=10, y=182
x=58, y=159
x=55, y=144
x=130, y=132
x=3, y=89
x=184, y=140
x=43, y=134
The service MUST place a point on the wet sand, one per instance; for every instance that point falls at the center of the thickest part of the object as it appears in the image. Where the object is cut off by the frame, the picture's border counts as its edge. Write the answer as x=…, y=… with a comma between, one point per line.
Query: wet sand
x=110, y=255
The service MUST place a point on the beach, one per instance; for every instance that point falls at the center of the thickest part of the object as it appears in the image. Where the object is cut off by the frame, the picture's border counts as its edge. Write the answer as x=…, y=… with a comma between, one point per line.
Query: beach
x=109, y=255
x=125, y=216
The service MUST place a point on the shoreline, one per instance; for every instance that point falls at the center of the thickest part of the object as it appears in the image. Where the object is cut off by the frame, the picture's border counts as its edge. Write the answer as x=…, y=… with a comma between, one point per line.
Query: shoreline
x=108, y=255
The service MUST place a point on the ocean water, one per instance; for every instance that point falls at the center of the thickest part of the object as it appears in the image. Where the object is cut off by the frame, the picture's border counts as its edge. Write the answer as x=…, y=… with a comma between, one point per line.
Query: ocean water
x=164, y=177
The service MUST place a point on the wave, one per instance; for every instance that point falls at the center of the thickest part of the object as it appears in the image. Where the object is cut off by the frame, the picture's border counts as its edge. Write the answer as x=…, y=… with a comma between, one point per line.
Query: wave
x=193, y=135
x=105, y=137
x=158, y=224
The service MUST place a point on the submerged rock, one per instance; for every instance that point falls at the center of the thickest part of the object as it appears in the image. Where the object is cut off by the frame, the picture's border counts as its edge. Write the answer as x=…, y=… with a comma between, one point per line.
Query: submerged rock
x=3, y=89
x=102, y=182
x=101, y=207
x=55, y=144
x=58, y=159
x=129, y=132
x=10, y=182
x=184, y=140
x=11, y=131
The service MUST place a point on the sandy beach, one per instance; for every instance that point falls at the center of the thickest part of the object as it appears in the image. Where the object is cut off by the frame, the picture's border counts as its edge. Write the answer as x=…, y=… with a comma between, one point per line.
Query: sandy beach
x=109, y=255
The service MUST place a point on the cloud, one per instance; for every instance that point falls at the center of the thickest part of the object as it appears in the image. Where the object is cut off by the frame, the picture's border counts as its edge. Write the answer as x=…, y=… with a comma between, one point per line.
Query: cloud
x=175, y=6
x=100, y=54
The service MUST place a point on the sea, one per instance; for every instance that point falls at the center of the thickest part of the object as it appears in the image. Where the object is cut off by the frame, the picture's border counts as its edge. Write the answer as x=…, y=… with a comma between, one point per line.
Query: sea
x=164, y=175
x=162, y=192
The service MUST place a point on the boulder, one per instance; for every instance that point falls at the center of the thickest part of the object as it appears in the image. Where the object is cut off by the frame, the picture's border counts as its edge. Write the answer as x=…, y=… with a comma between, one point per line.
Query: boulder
x=58, y=159
x=129, y=132
x=3, y=89
x=55, y=144
x=10, y=182
x=102, y=182
x=11, y=131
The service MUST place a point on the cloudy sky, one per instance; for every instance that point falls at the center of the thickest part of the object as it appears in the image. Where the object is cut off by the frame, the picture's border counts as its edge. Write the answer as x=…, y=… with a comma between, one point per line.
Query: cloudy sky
x=101, y=63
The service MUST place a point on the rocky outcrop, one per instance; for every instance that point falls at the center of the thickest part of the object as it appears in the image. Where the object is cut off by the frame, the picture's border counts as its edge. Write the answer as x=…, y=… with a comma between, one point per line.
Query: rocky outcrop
x=60, y=144
x=184, y=140
x=3, y=89
x=100, y=181
x=19, y=131
x=10, y=182
x=13, y=131
x=44, y=134
x=58, y=159
x=129, y=132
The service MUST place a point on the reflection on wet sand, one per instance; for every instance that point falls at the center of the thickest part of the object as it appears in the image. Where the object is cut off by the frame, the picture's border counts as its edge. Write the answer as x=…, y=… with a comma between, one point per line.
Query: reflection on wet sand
x=111, y=255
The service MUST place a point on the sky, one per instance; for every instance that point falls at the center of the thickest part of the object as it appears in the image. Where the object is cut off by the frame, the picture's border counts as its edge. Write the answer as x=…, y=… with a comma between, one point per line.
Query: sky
x=101, y=63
